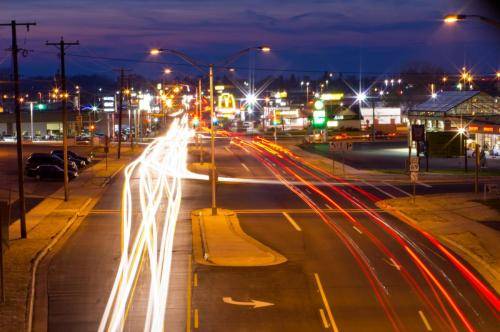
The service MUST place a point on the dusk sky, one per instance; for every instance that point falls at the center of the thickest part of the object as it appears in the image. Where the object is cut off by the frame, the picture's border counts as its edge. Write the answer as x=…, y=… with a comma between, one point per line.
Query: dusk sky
x=334, y=35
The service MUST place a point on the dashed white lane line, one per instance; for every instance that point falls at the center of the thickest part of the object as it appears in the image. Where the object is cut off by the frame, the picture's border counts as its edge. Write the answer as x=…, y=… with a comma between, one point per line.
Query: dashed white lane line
x=424, y=184
x=308, y=191
x=245, y=167
x=377, y=188
x=357, y=230
x=424, y=319
x=397, y=188
x=325, y=303
x=328, y=206
x=292, y=222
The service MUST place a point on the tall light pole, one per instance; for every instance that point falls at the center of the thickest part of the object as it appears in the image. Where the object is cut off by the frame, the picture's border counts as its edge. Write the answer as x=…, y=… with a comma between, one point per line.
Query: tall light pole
x=185, y=57
x=212, y=141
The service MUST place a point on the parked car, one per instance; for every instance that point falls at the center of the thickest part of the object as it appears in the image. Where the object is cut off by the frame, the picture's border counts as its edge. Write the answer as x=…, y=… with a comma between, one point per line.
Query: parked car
x=49, y=172
x=80, y=161
x=36, y=159
x=9, y=138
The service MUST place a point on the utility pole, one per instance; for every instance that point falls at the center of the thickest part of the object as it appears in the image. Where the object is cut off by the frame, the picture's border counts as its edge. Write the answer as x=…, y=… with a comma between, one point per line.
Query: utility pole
x=17, y=108
x=120, y=111
x=212, y=141
x=129, y=107
x=62, y=45
x=373, y=120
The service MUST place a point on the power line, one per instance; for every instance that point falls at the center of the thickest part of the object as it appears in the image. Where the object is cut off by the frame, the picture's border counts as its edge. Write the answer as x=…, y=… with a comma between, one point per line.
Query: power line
x=267, y=69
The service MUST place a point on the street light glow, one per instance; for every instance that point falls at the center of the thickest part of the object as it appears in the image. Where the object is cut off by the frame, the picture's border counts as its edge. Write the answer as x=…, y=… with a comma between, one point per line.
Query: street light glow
x=265, y=49
x=361, y=97
x=167, y=71
x=155, y=51
x=451, y=18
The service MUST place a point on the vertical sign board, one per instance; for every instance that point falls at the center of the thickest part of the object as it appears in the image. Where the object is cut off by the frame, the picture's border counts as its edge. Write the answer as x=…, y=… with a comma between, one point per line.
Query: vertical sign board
x=418, y=133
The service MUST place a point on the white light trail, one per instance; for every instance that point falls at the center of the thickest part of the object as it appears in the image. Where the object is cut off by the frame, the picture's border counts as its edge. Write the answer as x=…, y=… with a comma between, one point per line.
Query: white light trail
x=157, y=173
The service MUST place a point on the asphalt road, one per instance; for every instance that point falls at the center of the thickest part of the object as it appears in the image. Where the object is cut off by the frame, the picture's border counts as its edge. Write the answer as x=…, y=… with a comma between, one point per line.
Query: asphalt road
x=350, y=266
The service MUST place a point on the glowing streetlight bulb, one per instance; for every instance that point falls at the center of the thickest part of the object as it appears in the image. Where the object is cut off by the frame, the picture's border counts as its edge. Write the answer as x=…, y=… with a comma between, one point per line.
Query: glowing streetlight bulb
x=265, y=49
x=167, y=71
x=452, y=18
x=360, y=97
x=155, y=51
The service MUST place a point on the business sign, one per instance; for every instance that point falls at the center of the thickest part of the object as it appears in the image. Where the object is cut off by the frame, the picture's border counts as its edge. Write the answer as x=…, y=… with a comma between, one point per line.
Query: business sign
x=319, y=118
x=108, y=103
x=332, y=96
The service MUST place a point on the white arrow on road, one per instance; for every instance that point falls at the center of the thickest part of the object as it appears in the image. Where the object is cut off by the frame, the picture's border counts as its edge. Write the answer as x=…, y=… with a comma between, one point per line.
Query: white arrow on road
x=254, y=303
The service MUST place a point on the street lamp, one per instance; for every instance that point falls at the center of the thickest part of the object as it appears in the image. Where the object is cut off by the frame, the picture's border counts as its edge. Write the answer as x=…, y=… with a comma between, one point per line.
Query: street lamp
x=453, y=18
x=185, y=57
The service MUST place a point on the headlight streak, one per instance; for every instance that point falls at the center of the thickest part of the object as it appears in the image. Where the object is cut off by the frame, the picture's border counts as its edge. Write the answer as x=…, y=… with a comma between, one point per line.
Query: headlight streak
x=159, y=188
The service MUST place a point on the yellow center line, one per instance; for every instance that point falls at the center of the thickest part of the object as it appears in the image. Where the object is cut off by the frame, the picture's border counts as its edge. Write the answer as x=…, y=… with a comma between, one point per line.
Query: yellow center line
x=424, y=319
x=323, y=318
x=325, y=302
x=188, y=310
x=195, y=282
x=292, y=222
x=196, y=322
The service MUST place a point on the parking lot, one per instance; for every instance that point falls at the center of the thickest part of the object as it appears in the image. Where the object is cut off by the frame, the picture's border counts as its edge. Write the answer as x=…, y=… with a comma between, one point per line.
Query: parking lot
x=35, y=190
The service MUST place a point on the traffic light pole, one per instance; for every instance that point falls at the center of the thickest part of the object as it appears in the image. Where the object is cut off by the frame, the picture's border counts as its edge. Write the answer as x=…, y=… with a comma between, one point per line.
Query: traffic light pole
x=17, y=108
x=62, y=45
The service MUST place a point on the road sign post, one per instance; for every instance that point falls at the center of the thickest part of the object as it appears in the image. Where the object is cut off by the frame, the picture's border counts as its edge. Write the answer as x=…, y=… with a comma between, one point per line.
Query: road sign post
x=342, y=147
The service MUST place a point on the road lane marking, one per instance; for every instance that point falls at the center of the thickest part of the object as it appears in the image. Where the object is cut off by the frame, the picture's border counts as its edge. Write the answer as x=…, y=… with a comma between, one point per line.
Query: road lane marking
x=323, y=318
x=227, y=149
x=252, y=303
x=196, y=319
x=195, y=282
x=424, y=319
x=245, y=167
x=325, y=303
x=357, y=230
x=308, y=191
x=189, y=291
x=292, y=222
x=377, y=188
x=397, y=188
x=328, y=206
x=424, y=184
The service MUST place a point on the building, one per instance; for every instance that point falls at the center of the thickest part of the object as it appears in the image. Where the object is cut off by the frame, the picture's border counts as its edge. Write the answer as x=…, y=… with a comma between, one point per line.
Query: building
x=473, y=113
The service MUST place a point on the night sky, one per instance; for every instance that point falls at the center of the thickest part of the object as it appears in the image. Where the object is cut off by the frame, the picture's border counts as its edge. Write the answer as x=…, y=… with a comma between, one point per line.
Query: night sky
x=342, y=36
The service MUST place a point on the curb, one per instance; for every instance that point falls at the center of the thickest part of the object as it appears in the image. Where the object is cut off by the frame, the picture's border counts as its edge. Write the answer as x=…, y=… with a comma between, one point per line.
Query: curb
x=201, y=243
x=476, y=262
x=41, y=255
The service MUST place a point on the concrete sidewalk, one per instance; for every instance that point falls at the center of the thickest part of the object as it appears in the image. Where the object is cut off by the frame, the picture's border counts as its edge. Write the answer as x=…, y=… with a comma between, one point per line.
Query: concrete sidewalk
x=46, y=222
x=463, y=222
x=219, y=240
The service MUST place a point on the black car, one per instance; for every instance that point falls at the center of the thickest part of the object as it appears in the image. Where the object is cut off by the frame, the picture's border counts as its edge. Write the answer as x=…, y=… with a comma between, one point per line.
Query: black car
x=49, y=172
x=80, y=161
x=36, y=159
